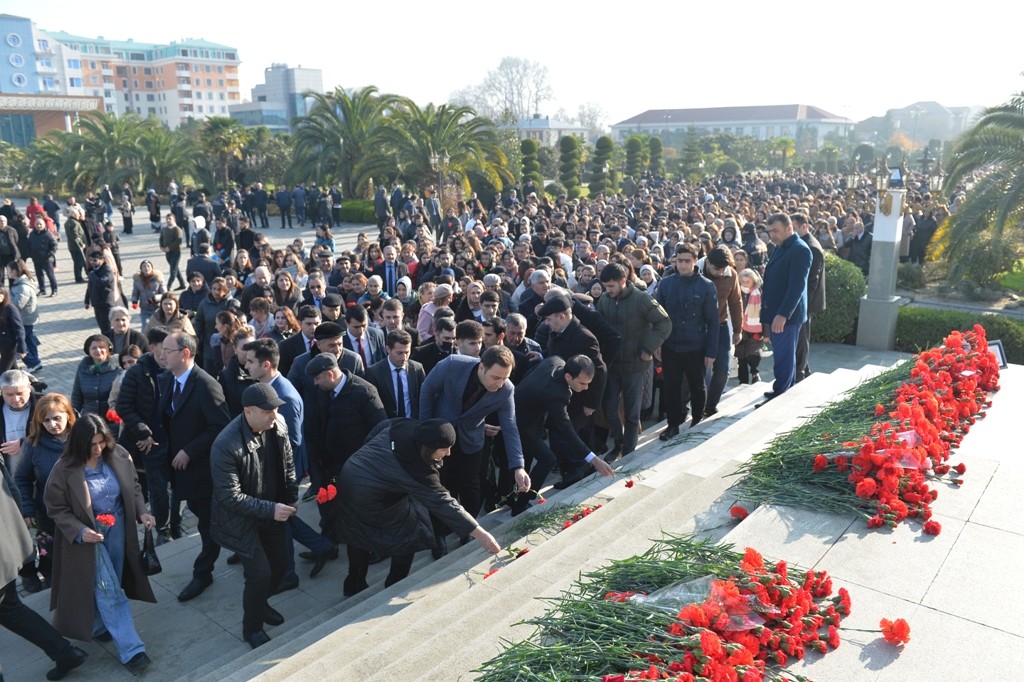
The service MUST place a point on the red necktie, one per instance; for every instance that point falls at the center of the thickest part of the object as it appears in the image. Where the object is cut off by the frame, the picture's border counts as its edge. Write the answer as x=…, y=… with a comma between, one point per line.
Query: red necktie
x=362, y=353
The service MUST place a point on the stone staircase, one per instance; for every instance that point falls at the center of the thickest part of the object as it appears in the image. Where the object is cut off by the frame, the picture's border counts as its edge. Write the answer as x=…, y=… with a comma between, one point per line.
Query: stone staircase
x=444, y=620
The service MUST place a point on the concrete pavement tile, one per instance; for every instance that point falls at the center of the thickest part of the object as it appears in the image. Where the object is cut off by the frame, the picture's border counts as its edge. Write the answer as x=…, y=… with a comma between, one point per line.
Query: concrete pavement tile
x=978, y=580
x=800, y=536
x=900, y=561
x=997, y=508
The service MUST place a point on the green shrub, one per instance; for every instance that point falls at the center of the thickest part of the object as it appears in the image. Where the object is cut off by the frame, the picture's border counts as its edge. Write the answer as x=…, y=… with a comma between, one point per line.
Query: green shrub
x=844, y=286
x=921, y=328
x=554, y=189
x=910, y=276
x=358, y=211
x=729, y=167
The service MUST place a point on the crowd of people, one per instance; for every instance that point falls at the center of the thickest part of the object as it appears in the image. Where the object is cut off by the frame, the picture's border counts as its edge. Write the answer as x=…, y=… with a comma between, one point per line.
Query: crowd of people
x=443, y=368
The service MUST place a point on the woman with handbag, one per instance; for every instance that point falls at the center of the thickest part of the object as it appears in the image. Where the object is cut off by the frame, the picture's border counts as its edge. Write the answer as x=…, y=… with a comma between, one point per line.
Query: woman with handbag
x=47, y=433
x=96, y=565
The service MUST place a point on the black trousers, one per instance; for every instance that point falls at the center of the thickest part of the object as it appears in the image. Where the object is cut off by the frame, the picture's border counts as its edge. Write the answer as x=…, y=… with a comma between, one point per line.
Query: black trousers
x=803, y=351
x=262, y=573
x=203, y=566
x=29, y=625
x=461, y=476
x=359, y=565
x=538, y=453
x=675, y=367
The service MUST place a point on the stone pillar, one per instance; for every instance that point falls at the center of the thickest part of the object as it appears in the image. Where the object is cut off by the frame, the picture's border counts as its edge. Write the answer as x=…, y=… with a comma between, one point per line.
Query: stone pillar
x=876, y=328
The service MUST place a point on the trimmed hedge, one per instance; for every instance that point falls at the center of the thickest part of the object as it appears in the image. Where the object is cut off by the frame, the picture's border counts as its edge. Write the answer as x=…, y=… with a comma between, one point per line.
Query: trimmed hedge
x=921, y=328
x=358, y=211
x=844, y=286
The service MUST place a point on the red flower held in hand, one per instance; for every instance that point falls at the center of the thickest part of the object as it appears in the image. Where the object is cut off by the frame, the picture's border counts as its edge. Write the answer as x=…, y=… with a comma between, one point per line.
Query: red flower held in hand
x=895, y=632
x=932, y=527
x=107, y=520
x=738, y=512
x=113, y=417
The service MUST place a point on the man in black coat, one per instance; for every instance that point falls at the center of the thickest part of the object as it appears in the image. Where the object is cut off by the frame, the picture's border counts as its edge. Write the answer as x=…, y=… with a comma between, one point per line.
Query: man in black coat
x=204, y=264
x=101, y=290
x=193, y=411
x=303, y=342
x=815, y=293
x=439, y=347
x=542, y=401
x=346, y=412
x=43, y=248
x=391, y=270
x=397, y=378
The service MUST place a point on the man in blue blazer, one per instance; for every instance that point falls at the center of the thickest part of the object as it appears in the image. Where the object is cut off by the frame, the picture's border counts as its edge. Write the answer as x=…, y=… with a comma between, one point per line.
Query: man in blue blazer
x=464, y=390
x=784, y=299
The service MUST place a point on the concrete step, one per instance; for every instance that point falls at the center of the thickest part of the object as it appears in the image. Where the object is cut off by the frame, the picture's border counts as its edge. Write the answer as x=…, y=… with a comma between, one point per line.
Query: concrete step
x=418, y=615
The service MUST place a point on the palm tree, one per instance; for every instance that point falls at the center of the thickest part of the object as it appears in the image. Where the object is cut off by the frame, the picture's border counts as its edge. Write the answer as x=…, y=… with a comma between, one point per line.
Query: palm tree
x=52, y=161
x=786, y=146
x=991, y=216
x=469, y=141
x=165, y=155
x=339, y=140
x=223, y=139
x=110, y=150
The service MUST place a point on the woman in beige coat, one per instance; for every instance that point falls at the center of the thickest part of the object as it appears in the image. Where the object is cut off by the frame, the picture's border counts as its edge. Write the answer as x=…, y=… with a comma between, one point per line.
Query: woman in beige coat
x=96, y=568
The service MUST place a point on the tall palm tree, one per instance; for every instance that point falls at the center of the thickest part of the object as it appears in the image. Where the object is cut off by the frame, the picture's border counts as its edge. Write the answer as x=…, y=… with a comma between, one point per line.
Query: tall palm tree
x=165, y=155
x=339, y=140
x=469, y=141
x=786, y=146
x=52, y=161
x=223, y=139
x=110, y=150
x=992, y=214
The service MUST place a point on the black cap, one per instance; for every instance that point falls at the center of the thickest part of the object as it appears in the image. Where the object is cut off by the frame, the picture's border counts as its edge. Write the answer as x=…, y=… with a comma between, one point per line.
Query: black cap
x=321, y=363
x=435, y=433
x=261, y=396
x=328, y=330
x=332, y=301
x=556, y=304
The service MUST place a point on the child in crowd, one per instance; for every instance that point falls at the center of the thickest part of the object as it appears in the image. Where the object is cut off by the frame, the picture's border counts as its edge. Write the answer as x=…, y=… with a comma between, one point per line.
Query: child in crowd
x=748, y=350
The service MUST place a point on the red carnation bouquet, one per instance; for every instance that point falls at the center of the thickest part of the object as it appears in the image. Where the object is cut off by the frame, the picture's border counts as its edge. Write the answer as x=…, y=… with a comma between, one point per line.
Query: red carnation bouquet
x=105, y=522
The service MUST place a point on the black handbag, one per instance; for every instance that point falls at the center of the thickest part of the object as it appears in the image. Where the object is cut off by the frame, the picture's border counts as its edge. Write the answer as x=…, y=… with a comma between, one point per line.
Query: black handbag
x=150, y=561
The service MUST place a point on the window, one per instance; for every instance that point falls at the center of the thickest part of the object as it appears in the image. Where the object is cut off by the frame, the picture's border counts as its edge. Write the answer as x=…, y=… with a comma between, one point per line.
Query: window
x=109, y=94
x=110, y=109
x=230, y=56
x=207, y=68
x=769, y=131
x=220, y=82
x=149, y=85
x=223, y=109
x=124, y=83
x=44, y=44
x=74, y=63
x=755, y=131
x=14, y=40
x=122, y=71
x=48, y=83
x=135, y=83
x=209, y=82
x=135, y=71
x=221, y=95
x=94, y=79
x=92, y=65
x=148, y=71
x=150, y=97
x=74, y=82
x=209, y=95
x=136, y=97
x=20, y=81
x=17, y=61
x=183, y=52
x=197, y=81
x=137, y=57
x=152, y=110
x=199, y=108
x=220, y=69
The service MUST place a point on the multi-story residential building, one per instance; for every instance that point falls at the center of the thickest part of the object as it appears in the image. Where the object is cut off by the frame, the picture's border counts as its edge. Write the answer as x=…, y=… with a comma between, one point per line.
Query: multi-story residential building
x=280, y=98
x=189, y=79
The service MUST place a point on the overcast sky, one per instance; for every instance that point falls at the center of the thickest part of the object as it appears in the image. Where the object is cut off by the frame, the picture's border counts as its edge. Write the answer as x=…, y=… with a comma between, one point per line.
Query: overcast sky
x=854, y=59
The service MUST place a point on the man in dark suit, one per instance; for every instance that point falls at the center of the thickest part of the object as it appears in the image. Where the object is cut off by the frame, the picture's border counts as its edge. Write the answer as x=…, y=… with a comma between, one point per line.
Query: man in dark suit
x=568, y=337
x=397, y=378
x=204, y=264
x=815, y=293
x=439, y=347
x=193, y=411
x=392, y=317
x=328, y=340
x=348, y=408
x=297, y=344
x=368, y=342
x=391, y=270
x=397, y=199
x=316, y=289
x=542, y=401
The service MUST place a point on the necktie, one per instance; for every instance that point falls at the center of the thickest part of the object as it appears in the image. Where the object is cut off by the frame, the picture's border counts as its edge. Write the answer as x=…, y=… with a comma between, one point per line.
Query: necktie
x=309, y=345
x=391, y=280
x=176, y=396
x=362, y=353
x=400, y=392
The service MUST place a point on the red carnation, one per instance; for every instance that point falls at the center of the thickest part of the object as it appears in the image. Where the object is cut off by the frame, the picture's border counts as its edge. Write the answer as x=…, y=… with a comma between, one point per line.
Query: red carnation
x=107, y=520
x=932, y=527
x=895, y=632
x=961, y=468
x=820, y=462
x=489, y=573
x=113, y=417
x=629, y=483
x=866, y=488
x=738, y=513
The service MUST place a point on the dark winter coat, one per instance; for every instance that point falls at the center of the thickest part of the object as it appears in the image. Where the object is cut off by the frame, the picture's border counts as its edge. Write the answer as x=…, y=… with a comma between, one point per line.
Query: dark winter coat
x=92, y=386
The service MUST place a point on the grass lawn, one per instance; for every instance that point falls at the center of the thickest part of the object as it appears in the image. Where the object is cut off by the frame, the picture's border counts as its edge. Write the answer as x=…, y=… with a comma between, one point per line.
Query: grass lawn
x=1013, y=280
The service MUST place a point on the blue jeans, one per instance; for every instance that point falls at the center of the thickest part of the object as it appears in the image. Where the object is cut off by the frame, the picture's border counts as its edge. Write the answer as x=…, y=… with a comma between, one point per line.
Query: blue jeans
x=784, y=358
x=113, y=612
x=631, y=389
x=720, y=371
x=297, y=530
x=32, y=345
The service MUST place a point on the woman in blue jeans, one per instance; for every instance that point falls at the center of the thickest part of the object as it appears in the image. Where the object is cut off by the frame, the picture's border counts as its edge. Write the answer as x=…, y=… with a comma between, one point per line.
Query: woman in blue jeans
x=23, y=296
x=96, y=566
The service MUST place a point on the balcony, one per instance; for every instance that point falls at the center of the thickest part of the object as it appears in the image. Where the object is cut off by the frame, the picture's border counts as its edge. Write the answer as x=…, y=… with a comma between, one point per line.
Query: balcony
x=183, y=72
x=45, y=68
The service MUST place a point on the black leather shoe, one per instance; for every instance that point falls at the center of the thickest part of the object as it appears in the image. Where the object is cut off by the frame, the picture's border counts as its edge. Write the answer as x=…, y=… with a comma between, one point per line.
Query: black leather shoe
x=234, y=560
x=104, y=637
x=194, y=588
x=439, y=549
x=572, y=478
x=258, y=638
x=710, y=412
x=287, y=583
x=349, y=589
x=70, y=660
x=138, y=663
x=669, y=433
x=273, y=617
x=321, y=561
x=769, y=394
x=331, y=554
x=520, y=504
x=31, y=583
